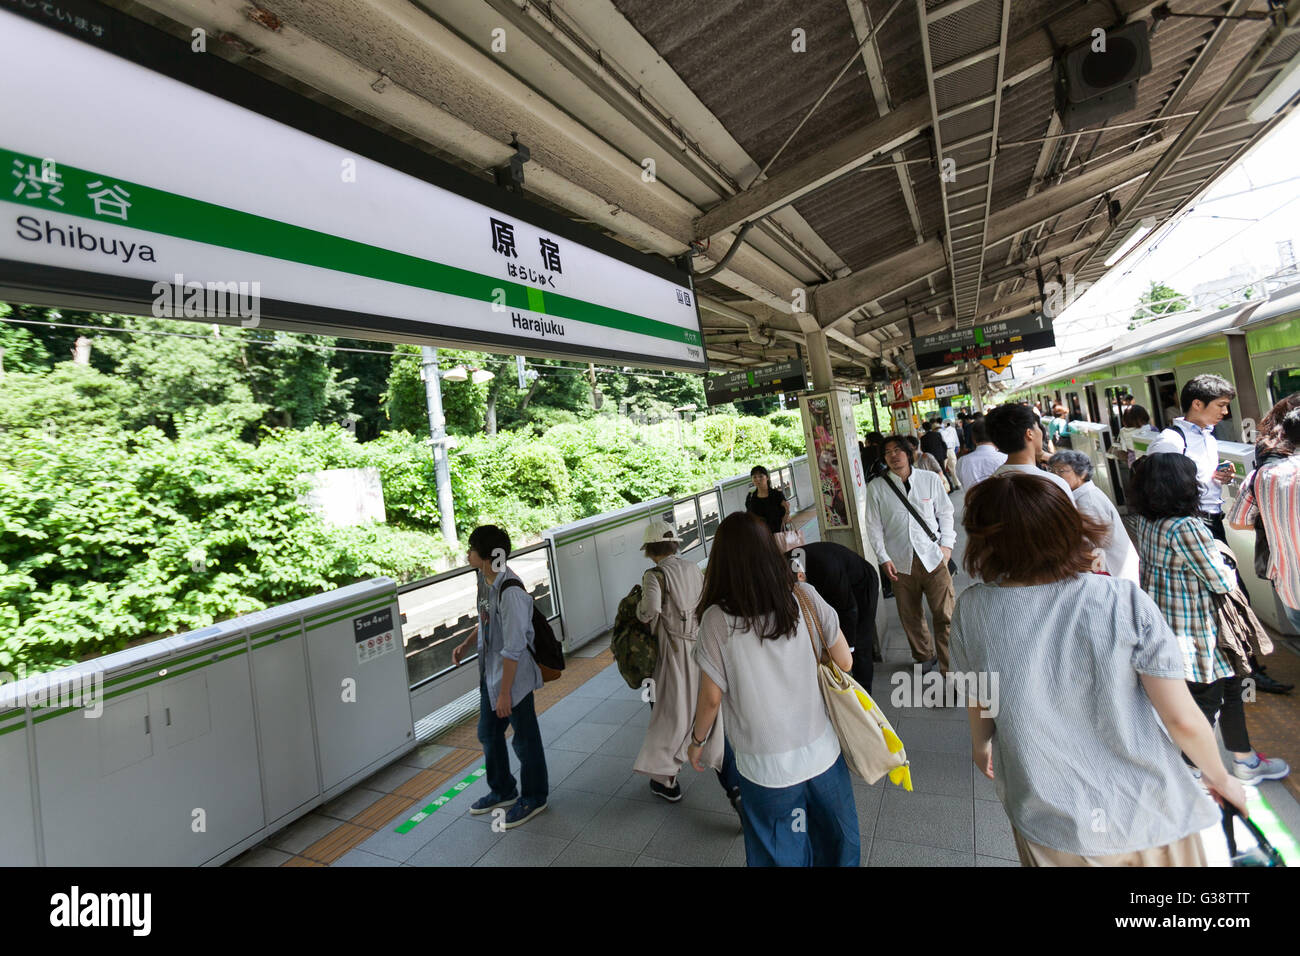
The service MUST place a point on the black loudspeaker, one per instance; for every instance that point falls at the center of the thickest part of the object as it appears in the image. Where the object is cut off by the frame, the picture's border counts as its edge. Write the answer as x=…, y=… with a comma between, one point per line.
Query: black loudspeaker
x=1095, y=84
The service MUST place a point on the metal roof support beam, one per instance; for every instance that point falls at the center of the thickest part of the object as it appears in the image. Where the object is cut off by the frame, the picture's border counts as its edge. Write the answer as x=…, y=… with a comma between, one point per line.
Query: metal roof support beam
x=1025, y=57
x=968, y=105
x=874, y=140
x=953, y=6
x=953, y=66
x=833, y=300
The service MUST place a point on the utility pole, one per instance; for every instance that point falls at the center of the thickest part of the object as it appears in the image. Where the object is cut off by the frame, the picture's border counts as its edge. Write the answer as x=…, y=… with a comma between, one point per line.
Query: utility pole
x=438, y=441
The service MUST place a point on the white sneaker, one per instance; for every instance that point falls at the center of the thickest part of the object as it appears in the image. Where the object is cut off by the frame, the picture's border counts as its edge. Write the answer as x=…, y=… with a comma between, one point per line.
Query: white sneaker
x=1264, y=768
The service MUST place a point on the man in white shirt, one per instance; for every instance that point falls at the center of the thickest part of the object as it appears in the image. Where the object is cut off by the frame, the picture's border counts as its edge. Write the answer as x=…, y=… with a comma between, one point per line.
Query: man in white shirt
x=1016, y=433
x=983, y=461
x=948, y=432
x=1118, y=554
x=915, y=562
x=1206, y=399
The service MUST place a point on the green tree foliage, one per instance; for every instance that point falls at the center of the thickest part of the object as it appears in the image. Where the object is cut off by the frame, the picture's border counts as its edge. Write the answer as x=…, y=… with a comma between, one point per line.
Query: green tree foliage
x=68, y=398
x=1157, y=301
x=161, y=488
x=23, y=351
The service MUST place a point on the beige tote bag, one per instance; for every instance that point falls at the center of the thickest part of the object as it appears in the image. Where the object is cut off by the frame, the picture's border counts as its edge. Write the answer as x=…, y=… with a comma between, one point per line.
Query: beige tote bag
x=868, y=742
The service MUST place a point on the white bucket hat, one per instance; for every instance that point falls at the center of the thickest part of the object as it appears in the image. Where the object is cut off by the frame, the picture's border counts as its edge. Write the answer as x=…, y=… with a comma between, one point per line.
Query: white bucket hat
x=659, y=530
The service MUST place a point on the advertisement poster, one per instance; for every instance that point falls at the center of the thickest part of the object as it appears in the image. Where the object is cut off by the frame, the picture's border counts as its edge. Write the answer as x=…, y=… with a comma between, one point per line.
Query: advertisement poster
x=828, y=466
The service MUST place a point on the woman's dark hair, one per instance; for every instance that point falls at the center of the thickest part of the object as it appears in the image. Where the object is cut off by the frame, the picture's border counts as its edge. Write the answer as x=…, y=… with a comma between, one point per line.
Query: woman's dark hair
x=749, y=578
x=1025, y=529
x=874, y=438
x=760, y=470
x=1164, y=486
x=1135, y=416
x=660, y=549
x=1272, y=436
x=487, y=539
x=1291, y=428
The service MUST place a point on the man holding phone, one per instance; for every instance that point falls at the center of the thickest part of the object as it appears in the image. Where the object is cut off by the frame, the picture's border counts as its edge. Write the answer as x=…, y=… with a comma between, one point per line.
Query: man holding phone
x=1206, y=400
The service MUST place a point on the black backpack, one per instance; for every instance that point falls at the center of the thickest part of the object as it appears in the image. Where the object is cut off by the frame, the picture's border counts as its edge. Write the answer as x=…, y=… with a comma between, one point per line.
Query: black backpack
x=546, y=650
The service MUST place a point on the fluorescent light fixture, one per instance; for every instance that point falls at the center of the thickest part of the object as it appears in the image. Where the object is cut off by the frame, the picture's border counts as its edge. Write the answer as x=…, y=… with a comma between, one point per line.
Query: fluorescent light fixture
x=1135, y=236
x=1271, y=99
x=482, y=375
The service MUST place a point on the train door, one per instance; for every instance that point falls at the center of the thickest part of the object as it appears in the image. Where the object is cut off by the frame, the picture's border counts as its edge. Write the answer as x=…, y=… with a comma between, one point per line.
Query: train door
x=1094, y=410
x=1118, y=400
x=1073, y=408
x=1164, y=399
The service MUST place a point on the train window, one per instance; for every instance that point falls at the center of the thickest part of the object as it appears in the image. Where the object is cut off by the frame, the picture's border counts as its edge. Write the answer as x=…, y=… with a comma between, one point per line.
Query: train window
x=1118, y=401
x=1283, y=382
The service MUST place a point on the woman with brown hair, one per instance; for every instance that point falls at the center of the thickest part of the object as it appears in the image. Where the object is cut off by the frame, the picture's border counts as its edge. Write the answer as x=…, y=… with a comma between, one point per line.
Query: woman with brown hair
x=758, y=649
x=1082, y=766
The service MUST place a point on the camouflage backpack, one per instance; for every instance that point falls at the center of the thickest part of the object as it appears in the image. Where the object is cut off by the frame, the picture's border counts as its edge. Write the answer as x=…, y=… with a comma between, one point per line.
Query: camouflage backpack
x=634, y=645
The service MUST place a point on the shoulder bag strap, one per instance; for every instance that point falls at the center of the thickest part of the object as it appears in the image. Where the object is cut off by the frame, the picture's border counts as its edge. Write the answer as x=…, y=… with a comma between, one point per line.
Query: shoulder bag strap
x=910, y=510
x=516, y=583
x=1181, y=434
x=814, y=627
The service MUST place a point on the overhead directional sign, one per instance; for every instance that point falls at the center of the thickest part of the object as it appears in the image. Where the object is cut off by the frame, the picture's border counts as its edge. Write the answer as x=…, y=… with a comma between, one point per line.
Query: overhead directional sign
x=143, y=177
x=764, y=380
x=987, y=340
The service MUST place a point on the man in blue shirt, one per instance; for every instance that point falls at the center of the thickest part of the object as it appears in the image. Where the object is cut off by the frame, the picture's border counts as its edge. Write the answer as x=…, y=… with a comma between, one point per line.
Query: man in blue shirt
x=508, y=675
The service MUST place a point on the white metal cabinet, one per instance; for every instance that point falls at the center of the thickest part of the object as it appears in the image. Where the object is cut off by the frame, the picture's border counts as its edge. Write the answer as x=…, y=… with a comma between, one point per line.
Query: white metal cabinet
x=128, y=788
x=289, y=772
x=357, y=670
x=18, y=835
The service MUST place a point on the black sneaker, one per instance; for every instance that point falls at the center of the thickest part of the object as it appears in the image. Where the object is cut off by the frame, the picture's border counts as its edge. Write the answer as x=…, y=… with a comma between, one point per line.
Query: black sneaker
x=671, y=794
x=1269, y=685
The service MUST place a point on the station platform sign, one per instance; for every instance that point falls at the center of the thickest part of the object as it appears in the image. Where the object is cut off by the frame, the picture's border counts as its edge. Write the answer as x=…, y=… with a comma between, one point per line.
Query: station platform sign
x=988, y=340
x=191, y=188
x=749, y=383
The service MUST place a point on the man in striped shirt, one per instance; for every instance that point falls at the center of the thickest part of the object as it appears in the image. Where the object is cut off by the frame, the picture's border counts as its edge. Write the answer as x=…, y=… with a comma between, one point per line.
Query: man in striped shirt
x=1277, y=494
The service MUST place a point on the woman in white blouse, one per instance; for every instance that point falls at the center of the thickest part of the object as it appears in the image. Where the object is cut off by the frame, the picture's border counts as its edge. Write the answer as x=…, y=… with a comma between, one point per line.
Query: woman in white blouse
x=758, y=663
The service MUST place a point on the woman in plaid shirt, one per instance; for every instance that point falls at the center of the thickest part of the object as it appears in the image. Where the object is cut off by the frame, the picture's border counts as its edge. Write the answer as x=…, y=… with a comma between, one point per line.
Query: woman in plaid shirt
x=1181, y=570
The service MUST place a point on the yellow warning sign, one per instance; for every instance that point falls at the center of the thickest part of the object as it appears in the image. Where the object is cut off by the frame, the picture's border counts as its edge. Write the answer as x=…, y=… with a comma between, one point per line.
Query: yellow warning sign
x=996, y=364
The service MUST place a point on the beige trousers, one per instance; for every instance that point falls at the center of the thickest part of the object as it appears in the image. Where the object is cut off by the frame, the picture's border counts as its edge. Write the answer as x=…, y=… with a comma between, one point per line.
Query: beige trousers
x=937, y=587
x=1185, y=852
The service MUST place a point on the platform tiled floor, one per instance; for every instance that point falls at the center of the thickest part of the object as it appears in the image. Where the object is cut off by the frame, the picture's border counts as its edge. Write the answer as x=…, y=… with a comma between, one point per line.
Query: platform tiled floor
x=602, y=814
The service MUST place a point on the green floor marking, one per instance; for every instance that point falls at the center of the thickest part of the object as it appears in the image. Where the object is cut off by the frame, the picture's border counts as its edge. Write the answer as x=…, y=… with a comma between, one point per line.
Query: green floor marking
x=1277, y=832
x=414, y=822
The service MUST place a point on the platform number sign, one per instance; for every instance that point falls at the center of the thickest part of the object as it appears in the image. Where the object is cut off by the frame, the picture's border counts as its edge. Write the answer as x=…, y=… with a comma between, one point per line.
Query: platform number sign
x=374, y=635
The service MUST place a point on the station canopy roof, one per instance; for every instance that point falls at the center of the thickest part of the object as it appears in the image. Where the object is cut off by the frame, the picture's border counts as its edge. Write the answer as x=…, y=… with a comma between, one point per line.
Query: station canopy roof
x=669, y=124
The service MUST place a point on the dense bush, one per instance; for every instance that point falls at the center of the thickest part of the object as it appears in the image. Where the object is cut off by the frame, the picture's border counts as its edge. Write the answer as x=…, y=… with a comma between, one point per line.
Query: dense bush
x=110, y=536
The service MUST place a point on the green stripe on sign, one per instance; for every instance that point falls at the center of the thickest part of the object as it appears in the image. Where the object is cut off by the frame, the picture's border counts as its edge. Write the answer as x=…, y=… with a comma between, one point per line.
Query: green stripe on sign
x=536, y=299
x=170, y=214
x=414, y=822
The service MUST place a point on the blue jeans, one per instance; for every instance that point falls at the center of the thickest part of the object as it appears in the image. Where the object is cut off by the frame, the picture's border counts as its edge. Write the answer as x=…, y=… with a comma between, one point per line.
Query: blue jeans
x=1292, y=615
x=527, y=744
x=814, y=823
